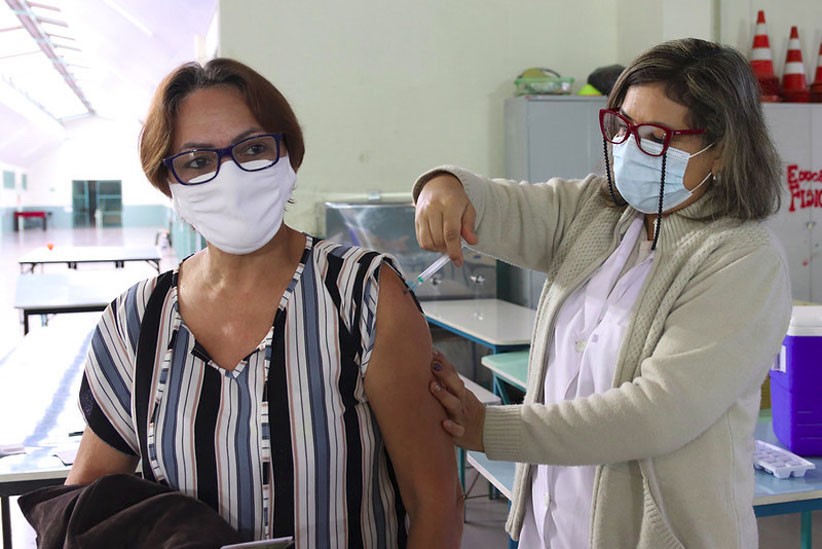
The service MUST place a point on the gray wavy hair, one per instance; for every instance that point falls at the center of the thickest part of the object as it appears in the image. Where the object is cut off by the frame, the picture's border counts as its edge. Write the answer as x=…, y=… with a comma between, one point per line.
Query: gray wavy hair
x=716, y=84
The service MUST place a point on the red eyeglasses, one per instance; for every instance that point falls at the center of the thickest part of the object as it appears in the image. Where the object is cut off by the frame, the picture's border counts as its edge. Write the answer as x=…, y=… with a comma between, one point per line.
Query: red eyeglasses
x=652, y=139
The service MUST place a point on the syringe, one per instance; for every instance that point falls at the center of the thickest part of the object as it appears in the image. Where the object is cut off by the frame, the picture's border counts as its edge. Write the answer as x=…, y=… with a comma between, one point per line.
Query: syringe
x=428, y=273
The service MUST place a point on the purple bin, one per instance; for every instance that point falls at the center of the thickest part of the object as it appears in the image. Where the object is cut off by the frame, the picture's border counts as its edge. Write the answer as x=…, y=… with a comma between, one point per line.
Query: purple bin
x=796, y=384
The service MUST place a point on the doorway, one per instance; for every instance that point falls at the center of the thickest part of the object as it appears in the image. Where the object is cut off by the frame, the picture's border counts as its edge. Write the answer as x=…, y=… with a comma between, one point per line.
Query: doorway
x=97, y=203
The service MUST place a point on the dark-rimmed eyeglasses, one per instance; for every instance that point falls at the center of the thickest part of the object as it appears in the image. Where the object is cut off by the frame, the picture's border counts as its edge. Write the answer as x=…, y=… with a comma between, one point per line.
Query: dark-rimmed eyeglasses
x=652, y=139
x=251, y=154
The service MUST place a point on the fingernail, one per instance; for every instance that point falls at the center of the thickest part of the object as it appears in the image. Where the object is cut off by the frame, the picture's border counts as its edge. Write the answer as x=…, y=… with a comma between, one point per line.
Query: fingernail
x=437, y=387
x=437, y=366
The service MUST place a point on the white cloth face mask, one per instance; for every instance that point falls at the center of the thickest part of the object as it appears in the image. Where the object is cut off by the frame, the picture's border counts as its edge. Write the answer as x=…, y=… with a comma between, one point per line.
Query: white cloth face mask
x=638, y=175
x=238, y=212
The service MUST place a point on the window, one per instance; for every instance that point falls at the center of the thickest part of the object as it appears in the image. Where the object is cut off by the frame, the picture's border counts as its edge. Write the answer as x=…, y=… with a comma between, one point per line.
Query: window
x=8, y=180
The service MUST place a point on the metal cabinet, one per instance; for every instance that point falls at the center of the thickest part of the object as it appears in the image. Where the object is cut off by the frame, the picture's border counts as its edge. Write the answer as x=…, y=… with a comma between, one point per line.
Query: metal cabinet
x=552, y=136
x=547, y=136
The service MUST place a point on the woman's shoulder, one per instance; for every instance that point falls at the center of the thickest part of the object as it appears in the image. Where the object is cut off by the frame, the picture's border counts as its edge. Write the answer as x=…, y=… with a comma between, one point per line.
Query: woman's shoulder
x=114, y=345
x=350, y=258
x=142, y=291
x=729, y=234
x=755, y=237
x=726, y=242
x=352, y=272
x=129, y=307
x=327, y=247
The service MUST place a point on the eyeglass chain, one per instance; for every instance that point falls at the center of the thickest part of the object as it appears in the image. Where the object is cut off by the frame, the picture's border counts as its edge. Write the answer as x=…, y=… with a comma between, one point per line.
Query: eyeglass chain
x=661, y=189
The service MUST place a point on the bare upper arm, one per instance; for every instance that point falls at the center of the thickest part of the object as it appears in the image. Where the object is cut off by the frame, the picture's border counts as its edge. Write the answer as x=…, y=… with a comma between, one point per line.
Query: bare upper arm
x=95, y=459
x=409, y=417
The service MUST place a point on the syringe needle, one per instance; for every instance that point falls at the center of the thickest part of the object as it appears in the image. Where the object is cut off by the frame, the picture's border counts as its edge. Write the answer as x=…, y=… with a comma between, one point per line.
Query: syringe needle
x=427, y=273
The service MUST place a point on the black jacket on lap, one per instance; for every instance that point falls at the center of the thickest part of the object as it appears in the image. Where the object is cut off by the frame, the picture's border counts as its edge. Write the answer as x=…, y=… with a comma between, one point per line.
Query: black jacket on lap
x=123, y=511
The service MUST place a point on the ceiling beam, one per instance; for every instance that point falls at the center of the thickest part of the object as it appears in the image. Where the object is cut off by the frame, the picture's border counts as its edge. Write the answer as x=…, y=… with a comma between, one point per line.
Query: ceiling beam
x=32, y=23
x=44, y=6
x=67, y=47
x=61, y=36
x=48, y=20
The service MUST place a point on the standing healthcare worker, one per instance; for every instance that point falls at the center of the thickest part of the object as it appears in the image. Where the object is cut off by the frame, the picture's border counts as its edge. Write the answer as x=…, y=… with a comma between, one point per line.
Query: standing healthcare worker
x=665, y=304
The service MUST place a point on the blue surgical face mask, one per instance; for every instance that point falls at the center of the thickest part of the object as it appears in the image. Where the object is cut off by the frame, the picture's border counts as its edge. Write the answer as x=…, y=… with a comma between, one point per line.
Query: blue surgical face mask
x=638, y=175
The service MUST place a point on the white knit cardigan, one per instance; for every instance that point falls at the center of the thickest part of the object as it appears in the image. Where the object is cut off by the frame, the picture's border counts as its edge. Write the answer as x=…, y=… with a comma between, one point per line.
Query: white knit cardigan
x=673, y=438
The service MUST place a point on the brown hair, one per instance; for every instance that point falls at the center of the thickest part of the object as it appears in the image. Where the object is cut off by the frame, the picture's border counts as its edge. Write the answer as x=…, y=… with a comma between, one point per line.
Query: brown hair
x=719, y=89
x=266, y=103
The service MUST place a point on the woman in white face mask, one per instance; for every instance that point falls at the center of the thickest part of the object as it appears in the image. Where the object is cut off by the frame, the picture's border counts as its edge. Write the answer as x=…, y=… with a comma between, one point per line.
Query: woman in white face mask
x=665, y=303
x=271, y=374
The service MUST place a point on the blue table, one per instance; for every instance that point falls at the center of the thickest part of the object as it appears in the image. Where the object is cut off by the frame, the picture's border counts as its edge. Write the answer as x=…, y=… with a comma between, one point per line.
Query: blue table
x=498, y=325
x=72, y=255
x=70, y=291
x=487, y=399
x=772, y=496
x=499, y=473
x=507, y=369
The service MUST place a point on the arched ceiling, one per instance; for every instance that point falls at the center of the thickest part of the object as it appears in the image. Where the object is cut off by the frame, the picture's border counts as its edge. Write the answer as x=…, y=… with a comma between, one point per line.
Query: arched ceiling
x=60, y=59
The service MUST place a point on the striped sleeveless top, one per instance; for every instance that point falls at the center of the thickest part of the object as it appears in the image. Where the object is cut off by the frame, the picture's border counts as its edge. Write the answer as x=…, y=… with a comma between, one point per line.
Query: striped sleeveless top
x=286, y=444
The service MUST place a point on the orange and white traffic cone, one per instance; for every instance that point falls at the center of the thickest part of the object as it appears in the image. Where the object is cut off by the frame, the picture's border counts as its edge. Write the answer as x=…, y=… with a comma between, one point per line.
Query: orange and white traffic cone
x=762, y=62
x=794, y=84
x=816, y=87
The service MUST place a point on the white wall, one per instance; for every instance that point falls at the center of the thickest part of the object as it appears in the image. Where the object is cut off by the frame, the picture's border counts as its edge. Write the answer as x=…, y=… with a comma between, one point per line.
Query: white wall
x=94, y=149
x=738, y=20
x=385, y=90
x=645, y=23
x=9, y=198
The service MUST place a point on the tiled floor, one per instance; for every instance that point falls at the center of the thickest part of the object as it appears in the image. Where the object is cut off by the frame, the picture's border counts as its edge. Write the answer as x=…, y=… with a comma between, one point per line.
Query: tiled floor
x=484, y=518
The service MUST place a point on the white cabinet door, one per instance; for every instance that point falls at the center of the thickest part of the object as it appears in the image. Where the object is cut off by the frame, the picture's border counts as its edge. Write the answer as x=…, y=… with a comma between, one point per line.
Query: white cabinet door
x=815, y=170
x=564, y=138
x=552, y=136
x=790, y=127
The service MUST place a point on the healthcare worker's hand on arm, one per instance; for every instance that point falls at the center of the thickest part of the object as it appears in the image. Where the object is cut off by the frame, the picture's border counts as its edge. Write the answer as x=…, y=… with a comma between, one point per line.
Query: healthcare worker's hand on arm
x=443, y=215
x=466, y=414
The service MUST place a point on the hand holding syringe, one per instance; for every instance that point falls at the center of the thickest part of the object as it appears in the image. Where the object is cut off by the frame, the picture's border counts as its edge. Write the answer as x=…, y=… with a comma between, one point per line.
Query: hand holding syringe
x=428, y=272
x=443, y=214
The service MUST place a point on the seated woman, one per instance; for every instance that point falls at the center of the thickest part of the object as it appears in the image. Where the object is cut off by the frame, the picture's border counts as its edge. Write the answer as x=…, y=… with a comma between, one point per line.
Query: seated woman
x=279, y=378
